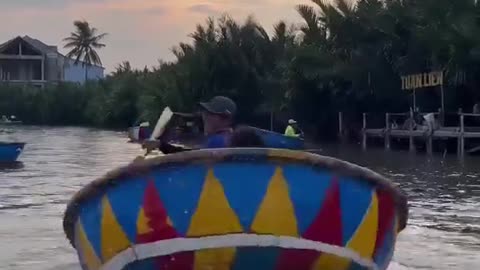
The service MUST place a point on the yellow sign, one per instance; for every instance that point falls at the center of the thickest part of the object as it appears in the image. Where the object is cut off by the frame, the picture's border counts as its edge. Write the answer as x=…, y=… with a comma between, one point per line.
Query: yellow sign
x=422, y=80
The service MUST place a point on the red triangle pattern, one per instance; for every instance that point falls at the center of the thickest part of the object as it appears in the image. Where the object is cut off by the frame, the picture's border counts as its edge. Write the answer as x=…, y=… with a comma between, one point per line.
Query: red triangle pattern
x=386, y=213
x=161, y=230
x=326, y=228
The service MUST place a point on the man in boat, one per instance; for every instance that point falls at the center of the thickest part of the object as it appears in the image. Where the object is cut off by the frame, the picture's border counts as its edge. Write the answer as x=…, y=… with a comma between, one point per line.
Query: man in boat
x=292, y=129
x=217, y=115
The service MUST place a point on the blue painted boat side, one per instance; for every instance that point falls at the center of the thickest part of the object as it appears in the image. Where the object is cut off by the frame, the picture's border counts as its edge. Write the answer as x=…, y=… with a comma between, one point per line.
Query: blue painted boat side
x=9, y=152
x=280, y=141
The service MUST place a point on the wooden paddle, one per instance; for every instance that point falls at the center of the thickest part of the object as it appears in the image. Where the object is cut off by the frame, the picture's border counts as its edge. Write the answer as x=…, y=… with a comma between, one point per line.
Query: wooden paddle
x=162, y=122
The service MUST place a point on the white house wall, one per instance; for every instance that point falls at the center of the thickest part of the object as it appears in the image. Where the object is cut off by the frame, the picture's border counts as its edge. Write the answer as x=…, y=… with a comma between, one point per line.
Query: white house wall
x=76, y=73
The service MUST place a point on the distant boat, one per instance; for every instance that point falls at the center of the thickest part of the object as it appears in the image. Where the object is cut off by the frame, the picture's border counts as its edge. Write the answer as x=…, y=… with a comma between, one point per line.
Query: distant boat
x=12, y=121
x=278, y=140
x=237, y=209
x=139, y=133
x=9, y=152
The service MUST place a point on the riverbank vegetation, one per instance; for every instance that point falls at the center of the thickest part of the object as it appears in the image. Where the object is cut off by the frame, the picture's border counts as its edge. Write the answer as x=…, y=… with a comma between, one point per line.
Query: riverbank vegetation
x=340, y=57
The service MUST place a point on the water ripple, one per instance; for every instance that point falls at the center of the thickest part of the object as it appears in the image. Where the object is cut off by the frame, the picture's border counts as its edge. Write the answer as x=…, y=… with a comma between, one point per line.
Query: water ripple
x=444, y=195
x=33, y=193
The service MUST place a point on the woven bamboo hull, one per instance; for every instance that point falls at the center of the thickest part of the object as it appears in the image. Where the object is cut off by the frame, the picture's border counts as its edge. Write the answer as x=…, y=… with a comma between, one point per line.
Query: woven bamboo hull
x=237, y=209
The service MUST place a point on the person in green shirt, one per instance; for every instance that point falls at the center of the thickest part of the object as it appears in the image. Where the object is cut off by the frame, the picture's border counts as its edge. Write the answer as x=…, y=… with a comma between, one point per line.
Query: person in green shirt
x=291, y=130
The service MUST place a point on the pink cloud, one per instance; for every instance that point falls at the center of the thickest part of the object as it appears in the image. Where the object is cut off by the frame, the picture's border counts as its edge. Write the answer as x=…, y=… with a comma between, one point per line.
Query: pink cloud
x=141, y=31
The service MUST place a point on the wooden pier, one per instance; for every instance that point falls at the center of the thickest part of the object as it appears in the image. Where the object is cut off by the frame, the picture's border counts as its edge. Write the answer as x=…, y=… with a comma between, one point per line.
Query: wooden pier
x=428, y=134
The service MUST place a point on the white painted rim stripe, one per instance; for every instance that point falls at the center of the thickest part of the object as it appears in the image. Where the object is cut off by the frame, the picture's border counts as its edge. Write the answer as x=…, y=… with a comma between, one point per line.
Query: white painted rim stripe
x=176, y=245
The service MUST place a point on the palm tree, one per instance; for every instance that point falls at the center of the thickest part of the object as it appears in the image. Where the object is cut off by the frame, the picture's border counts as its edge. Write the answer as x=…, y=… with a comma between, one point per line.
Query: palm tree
x=83, y=44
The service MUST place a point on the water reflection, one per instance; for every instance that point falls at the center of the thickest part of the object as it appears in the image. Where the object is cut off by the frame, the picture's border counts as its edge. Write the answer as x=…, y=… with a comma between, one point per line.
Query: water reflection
x=56, y=163
x=5, y=166
x=444, y=198
x=444, y=194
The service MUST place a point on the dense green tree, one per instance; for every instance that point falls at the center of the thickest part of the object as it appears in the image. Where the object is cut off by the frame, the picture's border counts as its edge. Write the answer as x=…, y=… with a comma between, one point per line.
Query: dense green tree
x=342, y=56
x=83, y=44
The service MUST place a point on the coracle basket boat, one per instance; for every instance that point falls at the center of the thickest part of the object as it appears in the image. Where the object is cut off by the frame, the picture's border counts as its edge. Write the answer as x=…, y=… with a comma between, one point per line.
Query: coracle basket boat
x=10, y=151
x=237, y=209
x=280, y=141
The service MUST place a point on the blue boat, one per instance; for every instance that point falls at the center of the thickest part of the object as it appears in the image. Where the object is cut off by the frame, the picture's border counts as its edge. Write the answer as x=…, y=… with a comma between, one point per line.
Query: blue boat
x=232, y=209
x=9, y=152
x=280, y=141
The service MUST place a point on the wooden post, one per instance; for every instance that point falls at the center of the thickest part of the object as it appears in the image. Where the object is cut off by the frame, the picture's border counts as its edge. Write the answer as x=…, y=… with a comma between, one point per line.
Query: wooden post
x=387, y=131
x=414, y=99
x=443, y=97
x=430, y=142
x=461, y=137
x=441, y=117
x=364, y=132
x=410, y=128
x=271, y=119
x=431, y=133
x=340, y=126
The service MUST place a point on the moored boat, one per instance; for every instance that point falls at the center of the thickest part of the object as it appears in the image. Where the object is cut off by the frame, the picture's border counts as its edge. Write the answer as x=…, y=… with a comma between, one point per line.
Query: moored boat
x=277, y=140
x=237, y=209
x=139, y=133
x=5, y=121
x=9, y=152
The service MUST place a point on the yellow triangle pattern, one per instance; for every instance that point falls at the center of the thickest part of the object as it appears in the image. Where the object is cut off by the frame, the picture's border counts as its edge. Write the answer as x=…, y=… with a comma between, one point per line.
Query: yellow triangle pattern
x=142, y=223
x=213, y=216
x=330, y=262
x=276, y=214
x=114, y=240
x=363, y=241
x=88, y=258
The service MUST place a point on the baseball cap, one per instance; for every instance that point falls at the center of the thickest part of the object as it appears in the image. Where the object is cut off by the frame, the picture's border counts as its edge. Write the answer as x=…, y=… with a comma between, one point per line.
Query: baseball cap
x=220, y=105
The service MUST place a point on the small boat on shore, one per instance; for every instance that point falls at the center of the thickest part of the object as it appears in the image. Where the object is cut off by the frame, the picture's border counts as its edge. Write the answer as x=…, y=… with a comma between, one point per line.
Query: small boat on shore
x=9, y=152
x=280, y=141
x=5, y=121
x=139, y=133
x=243, y=208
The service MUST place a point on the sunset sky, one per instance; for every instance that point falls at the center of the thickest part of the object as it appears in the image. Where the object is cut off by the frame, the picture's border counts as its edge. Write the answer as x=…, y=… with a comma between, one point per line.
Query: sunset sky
x=141, y=31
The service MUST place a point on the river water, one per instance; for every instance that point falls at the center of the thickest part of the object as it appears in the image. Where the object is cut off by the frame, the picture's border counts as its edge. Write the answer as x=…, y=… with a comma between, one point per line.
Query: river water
x=443, y=230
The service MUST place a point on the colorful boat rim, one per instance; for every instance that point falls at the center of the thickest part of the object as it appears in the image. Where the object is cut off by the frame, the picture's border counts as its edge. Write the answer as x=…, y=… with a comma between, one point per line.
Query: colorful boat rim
x=243, y=208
